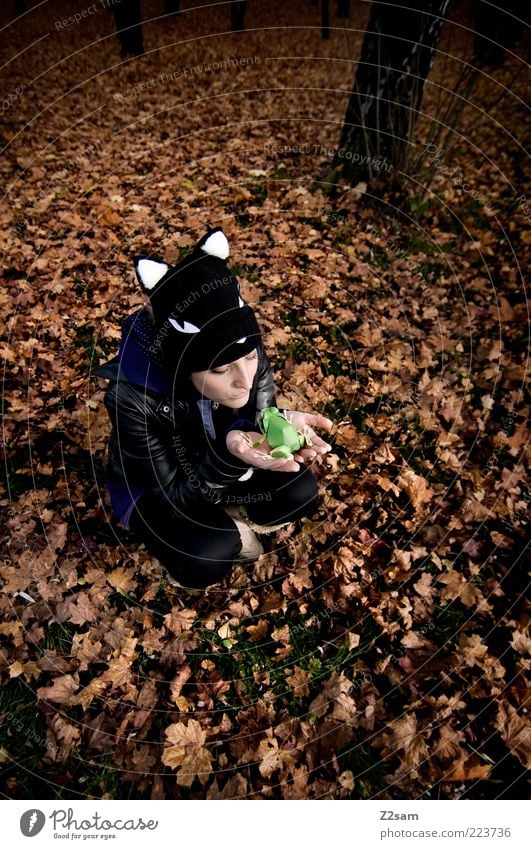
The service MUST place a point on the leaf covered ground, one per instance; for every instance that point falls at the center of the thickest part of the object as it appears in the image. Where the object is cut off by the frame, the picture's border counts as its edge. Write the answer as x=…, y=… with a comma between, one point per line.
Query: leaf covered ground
x=381, y=652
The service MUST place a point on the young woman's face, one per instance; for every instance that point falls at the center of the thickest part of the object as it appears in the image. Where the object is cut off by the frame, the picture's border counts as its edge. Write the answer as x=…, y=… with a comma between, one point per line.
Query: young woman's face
x=228, y=385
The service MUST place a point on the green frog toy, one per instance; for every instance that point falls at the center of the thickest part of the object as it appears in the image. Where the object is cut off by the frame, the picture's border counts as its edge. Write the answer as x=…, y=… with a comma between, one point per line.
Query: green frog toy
x=282, y=436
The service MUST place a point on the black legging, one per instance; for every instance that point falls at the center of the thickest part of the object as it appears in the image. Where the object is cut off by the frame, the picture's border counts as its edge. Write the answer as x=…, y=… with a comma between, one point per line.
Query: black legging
x=199, y=549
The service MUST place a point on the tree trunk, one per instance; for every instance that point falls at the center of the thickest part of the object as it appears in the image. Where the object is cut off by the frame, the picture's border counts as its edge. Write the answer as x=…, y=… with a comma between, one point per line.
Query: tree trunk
x=325, y=19
x=343, y=8
x=128, y=17
x=495, y=27
x=238, y=9
x=396, y=58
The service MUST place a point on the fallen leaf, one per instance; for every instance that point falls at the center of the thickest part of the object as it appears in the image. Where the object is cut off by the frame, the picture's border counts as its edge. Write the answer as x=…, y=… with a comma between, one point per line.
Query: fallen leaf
x=187, y=751
x=61, y=690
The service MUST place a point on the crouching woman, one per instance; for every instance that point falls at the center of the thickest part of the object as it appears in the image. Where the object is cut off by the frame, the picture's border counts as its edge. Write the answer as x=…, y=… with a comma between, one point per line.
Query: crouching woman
x=185, y=390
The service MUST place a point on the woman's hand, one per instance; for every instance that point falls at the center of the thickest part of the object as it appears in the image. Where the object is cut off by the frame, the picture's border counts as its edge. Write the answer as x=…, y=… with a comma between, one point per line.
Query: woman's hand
x=305, y=422
x=240, y=443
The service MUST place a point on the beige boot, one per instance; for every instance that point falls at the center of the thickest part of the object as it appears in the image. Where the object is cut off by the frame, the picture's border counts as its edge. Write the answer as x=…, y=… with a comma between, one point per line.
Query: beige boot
x=252, y=548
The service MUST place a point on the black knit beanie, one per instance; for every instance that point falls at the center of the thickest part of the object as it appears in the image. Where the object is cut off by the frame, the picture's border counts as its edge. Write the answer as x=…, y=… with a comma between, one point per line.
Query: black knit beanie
x=201, y=320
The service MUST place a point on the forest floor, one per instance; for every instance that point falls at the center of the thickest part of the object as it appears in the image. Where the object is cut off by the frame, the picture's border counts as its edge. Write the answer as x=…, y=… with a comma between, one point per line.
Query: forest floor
x=379, y=653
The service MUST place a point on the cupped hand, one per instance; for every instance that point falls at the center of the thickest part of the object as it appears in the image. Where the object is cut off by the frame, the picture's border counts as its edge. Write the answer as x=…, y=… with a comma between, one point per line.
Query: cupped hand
x=305, y=422
x=240, y=443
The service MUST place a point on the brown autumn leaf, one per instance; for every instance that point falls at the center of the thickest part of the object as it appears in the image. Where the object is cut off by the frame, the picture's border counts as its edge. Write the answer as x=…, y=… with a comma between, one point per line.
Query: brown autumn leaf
x=296, y=786
x=62, y=690
x=187, y=751
x=473, y=652
x=179, y=681
x=364, y=319
x=472, y=648
x=521, y=643
x=274, y=759
x=119, y=669
x=474, y=511
x=66, y=734
x=259, y=631
x=410, y=740
x=447, y=743
x=334, y=687
x=416, y=487
x=93, y=689
x=282, y=635
x=468, y=769
x=424, y=586
x=235, y=788
x=109, y=217
x=457, y=587
x=179, y=621
x=85, y=651
x=78, y=609
x=56, y=535
x=299, y=580
x=122, y=579
x=346, y=562
x=15, y=669
x=518, y=440
x=403, y=738
x=515, y=731
x=298, y=681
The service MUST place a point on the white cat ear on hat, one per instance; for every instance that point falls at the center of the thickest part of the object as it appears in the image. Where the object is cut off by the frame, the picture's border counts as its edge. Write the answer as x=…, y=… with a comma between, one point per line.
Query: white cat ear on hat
x=149, y=272
x=215, y=243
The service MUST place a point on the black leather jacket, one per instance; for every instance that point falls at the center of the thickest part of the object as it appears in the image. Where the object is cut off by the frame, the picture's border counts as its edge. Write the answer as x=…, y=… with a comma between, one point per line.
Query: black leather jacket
x=162, y=446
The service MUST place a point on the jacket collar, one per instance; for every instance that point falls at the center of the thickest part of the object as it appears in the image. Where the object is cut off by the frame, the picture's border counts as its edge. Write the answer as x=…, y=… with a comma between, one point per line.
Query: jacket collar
x=136, y=362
